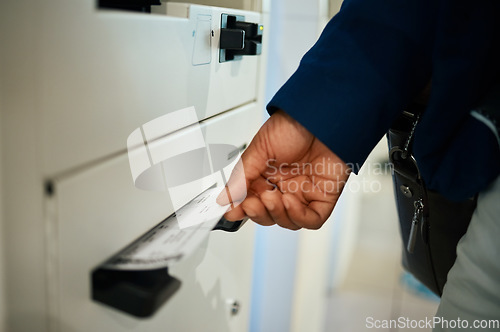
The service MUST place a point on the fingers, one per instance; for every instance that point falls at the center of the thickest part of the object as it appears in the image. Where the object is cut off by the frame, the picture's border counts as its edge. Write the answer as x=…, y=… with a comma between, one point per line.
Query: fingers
x=248, y=169
x=286, y=210
x=266, y=210
x=310, y=216
x=273, y=202
x=253, y=208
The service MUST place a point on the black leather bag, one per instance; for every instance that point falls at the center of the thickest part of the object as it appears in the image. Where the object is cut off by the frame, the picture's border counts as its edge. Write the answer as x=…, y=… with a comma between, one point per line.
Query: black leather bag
x=430, y=224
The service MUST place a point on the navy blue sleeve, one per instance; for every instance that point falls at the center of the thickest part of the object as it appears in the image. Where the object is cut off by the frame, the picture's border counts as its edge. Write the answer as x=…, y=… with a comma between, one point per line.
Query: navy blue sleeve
x=371, y=60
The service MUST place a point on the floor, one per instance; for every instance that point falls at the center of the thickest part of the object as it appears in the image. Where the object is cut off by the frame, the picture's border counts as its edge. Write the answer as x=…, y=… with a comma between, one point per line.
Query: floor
x=376, y=289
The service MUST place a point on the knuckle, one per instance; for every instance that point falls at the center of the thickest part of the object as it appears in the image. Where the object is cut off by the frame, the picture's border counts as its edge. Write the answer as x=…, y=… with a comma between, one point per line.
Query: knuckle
x=311, y=223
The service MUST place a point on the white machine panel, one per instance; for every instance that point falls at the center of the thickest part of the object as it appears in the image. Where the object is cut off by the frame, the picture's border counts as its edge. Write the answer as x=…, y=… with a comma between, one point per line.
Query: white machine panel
x=77, y=81
x=106, y=72
x=97, y=212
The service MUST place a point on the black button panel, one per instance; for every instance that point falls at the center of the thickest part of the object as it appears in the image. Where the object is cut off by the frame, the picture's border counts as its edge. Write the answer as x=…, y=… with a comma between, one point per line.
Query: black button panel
x=238, y=38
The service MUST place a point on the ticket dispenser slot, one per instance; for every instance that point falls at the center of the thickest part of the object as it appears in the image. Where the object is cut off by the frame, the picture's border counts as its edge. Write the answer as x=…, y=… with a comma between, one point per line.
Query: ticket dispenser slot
x=141, y=293
x=138, y=293
x=238, y=38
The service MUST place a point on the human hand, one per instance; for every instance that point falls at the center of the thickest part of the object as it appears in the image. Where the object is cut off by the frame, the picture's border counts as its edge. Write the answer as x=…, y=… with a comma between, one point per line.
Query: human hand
x=293, y=179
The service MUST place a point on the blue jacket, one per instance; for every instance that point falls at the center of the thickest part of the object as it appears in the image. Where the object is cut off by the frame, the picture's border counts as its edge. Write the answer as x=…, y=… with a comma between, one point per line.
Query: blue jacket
x=373, y=59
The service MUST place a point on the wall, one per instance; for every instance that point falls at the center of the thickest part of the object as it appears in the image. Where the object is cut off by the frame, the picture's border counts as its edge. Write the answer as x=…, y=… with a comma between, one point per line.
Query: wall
x=21, y=184
x=2, y=235
x=254, y=5
x=323, y=256
x=334, y=7
x=294, y=271
x=292, y=30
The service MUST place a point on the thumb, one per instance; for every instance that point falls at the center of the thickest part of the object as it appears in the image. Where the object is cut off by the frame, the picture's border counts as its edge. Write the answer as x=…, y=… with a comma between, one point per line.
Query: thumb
x=249, y=168
x=236, y=187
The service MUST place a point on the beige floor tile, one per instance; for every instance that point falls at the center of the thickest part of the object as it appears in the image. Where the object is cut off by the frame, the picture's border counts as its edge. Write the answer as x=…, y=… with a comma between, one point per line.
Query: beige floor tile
x=352, y=311
x=372, y=287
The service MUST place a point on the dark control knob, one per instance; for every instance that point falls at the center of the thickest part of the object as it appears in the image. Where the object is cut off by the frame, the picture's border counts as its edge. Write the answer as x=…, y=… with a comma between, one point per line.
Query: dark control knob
x=239, y=38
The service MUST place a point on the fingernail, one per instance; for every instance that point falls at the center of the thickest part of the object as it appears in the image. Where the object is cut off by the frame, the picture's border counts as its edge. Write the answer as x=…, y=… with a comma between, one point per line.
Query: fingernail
x=286, y=203
x=269, y=205
x=222, y=198
x=250, y=213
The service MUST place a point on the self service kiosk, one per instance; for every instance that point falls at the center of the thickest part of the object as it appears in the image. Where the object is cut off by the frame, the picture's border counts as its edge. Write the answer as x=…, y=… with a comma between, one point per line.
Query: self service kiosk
x=118, y=119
